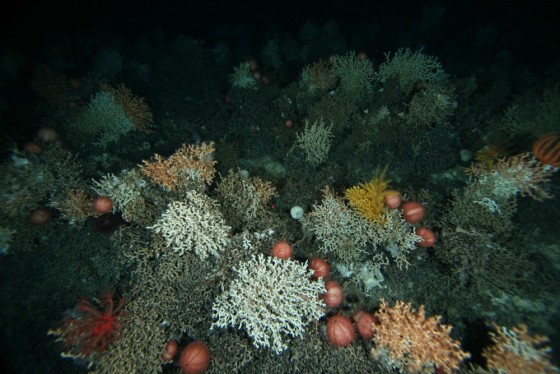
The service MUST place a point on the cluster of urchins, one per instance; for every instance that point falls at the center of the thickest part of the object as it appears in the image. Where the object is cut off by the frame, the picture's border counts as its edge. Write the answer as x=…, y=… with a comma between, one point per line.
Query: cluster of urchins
x=340, y=329
x=413, y=212
x=195, y=357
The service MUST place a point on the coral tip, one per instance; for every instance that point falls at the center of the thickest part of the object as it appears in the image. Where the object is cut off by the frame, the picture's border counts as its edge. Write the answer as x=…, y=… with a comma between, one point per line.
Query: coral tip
x=170, y=351
x=32, y=148
x=364, y=323
x=39, y=217
x=47, y=135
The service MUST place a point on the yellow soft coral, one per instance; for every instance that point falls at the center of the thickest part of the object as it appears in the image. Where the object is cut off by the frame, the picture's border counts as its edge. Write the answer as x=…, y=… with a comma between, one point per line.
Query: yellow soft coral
x=367, y=198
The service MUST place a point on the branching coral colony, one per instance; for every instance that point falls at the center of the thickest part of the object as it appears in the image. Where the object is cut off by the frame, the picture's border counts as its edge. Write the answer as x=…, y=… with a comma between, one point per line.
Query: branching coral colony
x=187, y=236
x=408, y=341
x=193, y=161
x=515, y=351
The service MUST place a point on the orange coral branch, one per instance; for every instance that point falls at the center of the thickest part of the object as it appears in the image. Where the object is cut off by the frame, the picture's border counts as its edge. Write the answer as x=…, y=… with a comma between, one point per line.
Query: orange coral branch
x=197, y=161
x=414, y=342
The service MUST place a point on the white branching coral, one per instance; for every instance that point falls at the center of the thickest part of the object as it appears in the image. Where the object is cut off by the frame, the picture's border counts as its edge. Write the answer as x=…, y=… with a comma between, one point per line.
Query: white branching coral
x=338, y=229
x=122, y=190
x=104, y=119
x=271, y=299
x=515, y=175
x=243, y=198
x=343, y=233
x=432, y=105
x=410, y=67
x=396, y=236
x=194, y=225
x=242, y=77
x=315, y=141
x=514, y=350
x=355, y=75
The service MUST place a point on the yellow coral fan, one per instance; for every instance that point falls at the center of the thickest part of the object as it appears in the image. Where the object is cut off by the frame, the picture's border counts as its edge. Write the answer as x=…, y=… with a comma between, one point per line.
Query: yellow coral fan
x=367, y=198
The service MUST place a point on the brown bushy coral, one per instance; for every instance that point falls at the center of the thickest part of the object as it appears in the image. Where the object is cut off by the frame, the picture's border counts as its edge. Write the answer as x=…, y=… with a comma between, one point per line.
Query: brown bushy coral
x=244, y=198
x=76, y=207
x=195, y=160
x=480, y=263
x=134, y=107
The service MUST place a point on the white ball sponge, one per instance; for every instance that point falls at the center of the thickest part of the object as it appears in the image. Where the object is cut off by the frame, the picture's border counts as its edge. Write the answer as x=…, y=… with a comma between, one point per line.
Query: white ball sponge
x=296, y=212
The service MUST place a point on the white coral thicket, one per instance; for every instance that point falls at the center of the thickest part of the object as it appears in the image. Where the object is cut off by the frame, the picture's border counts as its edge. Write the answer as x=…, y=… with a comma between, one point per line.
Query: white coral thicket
x=315, y=141
x=270, y=298
x=409, y=67
x=103, y=119
x=194, y=225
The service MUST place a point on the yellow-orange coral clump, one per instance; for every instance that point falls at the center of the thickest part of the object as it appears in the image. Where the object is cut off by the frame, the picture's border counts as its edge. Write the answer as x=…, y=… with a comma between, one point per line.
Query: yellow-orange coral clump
x=413, y=343
x=514, y=351
x=196, y=161
x=367, y=198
